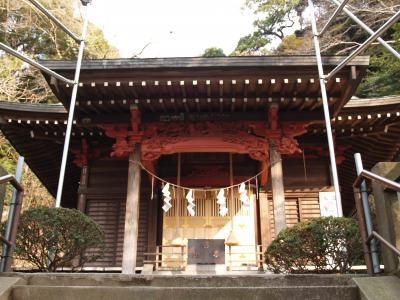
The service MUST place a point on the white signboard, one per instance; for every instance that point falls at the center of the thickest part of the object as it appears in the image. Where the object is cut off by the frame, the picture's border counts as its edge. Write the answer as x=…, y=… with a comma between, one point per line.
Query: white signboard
x=327, y=204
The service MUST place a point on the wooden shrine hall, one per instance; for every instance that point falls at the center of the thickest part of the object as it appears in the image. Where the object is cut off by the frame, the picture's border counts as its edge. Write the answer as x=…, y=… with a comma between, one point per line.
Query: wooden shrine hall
x=187, y=128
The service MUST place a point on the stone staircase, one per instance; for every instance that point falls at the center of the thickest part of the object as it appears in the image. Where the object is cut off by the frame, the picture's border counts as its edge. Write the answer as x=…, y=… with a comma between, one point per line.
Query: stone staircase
x=120, y=287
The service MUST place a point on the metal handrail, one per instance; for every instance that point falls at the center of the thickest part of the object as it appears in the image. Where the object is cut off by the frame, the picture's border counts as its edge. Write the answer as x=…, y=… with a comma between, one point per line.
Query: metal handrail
x=376, y=235
x=4, y=240
x=379, y=179
x=364, y=215
x=9, y=241
x=11, y=179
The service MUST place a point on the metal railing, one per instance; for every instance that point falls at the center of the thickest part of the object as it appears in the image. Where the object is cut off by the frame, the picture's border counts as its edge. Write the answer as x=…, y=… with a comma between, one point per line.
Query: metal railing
x=368, y=235
x=8, y=241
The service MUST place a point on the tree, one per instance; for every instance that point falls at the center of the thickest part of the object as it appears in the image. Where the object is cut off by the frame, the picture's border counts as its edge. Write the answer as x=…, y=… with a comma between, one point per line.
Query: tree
x=213, y=52
x=279, y=18
x=286, y=22
x=384, y=73
x=25, y=29
x=275, y=17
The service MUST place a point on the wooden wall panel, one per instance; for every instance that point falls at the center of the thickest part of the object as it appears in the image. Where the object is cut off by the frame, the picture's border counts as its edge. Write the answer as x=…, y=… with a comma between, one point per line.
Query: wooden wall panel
x=315, y=173
x=106, y=200
x=309, y=208
x=299, y=206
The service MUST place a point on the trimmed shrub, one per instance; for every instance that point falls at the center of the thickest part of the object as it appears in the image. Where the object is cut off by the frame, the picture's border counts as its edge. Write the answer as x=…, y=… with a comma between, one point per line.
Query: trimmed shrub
x=321, y=245
x=50, y=238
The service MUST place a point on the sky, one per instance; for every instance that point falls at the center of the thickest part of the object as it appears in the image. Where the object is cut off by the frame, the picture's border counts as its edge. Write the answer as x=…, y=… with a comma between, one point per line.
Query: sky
x=173, y=28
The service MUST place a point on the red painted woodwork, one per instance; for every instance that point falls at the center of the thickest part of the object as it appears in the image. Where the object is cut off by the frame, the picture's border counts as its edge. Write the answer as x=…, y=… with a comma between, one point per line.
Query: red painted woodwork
x=81, y=155
x=264, y=175
x=219, y=181
x=240, y=137
x=273, y=117
x=317, y=151
x=244, y=137
x=86, y=153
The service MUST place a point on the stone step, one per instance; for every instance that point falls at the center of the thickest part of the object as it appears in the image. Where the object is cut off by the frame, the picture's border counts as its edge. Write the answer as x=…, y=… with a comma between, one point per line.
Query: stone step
x=379, y=287
x=24, y=292
x=119, y=280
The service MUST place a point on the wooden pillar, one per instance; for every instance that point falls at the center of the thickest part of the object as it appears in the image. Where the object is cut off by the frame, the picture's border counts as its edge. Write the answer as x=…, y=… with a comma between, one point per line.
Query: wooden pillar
x=278, y=192
x=257, y=217
x=131, y=231
x=264, y=220
x=83, y=185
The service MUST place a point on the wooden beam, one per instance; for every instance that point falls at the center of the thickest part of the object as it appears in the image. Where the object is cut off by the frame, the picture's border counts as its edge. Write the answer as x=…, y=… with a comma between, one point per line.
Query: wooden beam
x=278, y=193
x=315, y=116
x=131, y=231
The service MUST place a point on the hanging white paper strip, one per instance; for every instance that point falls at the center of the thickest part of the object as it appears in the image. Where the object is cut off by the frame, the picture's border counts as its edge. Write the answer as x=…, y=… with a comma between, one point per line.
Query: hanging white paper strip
x=221, y=201
x=167, y=198
x=244, y=198
x=191, y=205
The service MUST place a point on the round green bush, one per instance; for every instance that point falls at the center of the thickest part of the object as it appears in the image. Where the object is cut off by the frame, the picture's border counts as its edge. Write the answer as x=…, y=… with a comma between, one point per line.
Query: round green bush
x=50, y=238
x=321, y=245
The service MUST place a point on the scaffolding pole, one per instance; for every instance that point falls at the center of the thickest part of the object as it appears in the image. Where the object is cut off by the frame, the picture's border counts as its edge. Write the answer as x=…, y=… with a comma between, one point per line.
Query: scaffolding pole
x=55, y=20
x=33, y=63
x=332, y=18
x=326, y=110
x=75, y=82
x=364, y=45
x=72, y=107
x=367, y=29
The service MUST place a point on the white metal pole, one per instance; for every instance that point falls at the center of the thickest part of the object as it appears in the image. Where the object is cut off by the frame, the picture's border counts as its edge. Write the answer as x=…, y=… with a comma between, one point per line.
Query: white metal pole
x=334, y=15
x=72, y=108
x=367, y=213
x=326, y=111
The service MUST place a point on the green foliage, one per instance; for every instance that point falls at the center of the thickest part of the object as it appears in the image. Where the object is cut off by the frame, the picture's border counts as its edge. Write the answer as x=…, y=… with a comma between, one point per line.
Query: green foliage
x=293, y=44
x=275, y=16
x=250, y=44
x=50, y=238
x=384, y=72
x=213, y=52
x=327, y=244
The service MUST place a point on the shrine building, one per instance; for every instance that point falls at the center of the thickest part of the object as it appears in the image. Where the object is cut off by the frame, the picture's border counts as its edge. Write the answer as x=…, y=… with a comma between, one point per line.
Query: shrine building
x=238, y=144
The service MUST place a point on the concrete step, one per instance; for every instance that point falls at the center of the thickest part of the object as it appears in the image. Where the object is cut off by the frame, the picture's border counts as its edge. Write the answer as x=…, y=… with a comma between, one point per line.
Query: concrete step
x=119, y=280
x=176, y=293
